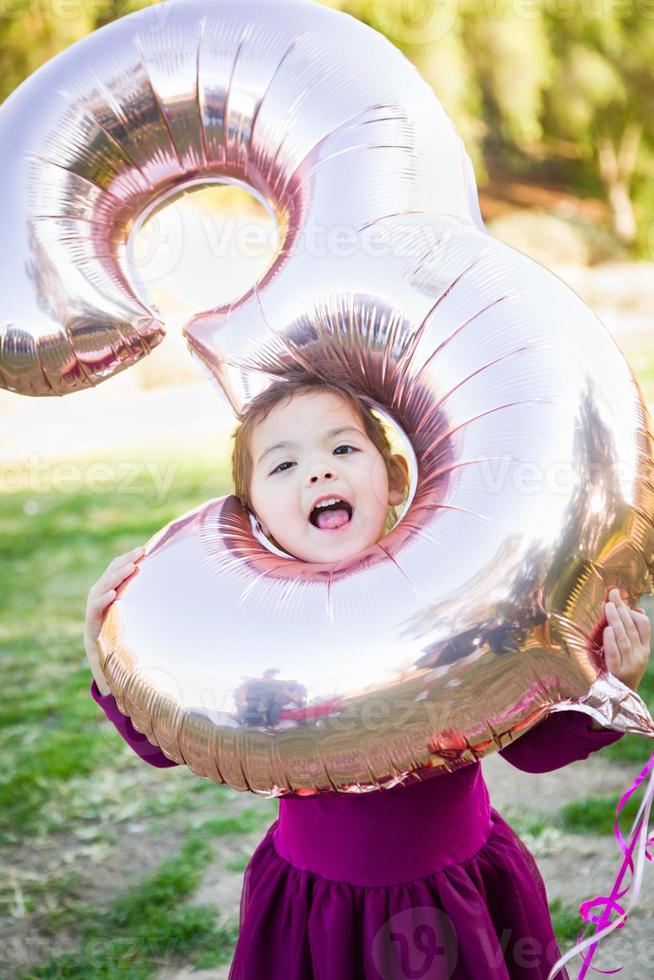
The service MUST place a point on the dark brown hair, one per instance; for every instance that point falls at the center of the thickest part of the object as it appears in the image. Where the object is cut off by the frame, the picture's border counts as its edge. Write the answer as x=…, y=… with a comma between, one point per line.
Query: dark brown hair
x=281, y=392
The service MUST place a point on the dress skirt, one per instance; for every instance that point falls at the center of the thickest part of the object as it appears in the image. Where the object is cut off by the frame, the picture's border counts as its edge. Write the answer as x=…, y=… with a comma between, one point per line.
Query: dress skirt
x=326, y=894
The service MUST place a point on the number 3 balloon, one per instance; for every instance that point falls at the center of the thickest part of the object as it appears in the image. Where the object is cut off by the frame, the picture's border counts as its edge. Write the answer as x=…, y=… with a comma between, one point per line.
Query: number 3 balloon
x=533, y=481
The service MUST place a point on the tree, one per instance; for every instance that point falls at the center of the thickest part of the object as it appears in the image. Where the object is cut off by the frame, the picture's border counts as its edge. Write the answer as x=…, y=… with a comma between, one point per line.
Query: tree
x=602, y=98
x=33, y=31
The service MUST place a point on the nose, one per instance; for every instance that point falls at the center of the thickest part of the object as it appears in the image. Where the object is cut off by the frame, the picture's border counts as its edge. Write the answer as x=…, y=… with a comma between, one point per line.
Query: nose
x=320, y=471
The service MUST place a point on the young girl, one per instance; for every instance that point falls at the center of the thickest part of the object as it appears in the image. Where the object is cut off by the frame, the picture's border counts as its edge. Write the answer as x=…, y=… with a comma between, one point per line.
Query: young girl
x=423, y=880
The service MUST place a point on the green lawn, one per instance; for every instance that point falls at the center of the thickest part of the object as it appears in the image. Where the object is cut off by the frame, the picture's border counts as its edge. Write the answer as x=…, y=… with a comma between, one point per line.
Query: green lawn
x=52, y=547
x=146, y=925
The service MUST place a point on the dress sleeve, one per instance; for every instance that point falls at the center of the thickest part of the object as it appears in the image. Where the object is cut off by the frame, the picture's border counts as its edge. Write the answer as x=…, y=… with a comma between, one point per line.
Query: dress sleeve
x=561, y=738
x=150, y=753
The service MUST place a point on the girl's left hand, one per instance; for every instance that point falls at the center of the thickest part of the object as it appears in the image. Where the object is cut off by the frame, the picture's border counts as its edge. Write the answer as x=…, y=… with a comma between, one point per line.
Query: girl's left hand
x=626, y=640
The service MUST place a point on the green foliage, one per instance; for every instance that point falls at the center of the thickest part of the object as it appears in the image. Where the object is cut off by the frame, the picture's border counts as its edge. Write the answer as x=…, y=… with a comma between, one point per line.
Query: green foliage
x=506, y=48
x=32, y=33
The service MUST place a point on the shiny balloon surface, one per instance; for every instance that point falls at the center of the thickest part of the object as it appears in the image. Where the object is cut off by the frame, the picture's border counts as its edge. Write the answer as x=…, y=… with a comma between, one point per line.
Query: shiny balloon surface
x=529, y=440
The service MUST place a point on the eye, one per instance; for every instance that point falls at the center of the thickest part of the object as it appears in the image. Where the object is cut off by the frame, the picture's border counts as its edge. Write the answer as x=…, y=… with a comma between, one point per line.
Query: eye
x=278, y=467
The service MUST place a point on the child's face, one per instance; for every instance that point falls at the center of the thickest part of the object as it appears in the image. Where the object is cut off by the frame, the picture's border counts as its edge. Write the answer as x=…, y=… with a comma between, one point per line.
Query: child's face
x=316, y=462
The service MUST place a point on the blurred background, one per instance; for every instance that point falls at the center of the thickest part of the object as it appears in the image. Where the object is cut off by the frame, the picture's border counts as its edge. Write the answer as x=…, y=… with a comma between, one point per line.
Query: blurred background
x=555, y=104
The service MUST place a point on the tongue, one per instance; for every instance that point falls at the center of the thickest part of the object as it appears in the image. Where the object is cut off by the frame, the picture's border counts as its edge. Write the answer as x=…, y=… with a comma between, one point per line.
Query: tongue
x=332, y=518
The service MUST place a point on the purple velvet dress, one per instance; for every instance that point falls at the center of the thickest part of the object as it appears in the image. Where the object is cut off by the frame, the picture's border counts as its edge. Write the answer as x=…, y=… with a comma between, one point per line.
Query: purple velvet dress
x=425, y=880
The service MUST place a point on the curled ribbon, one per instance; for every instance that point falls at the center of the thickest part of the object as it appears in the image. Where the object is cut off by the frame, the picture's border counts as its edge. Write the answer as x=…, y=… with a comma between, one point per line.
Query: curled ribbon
x=638, y=837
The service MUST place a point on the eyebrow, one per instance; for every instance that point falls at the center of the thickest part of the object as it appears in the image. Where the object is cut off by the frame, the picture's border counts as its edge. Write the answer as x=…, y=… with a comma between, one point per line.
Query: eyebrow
x=290, y=445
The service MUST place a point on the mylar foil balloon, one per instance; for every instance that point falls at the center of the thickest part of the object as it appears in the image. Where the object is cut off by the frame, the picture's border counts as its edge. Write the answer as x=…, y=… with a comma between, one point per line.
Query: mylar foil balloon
x=529, y=439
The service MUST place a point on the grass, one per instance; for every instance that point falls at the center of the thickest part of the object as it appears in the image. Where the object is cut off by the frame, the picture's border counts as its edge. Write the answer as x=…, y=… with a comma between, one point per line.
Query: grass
x=69, y=783
x=528, y=824
x=596, y=815
x=567, y=923
x=146, y=925
x=239, y=863
x=245, y=822
x=52, y=548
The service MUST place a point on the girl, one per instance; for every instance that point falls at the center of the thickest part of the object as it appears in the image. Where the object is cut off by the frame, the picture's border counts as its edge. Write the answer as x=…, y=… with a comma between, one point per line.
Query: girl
x=423, y=880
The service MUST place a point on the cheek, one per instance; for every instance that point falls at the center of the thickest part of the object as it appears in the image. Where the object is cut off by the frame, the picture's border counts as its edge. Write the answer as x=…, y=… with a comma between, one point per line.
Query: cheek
x=378, y=482
x=260, y=497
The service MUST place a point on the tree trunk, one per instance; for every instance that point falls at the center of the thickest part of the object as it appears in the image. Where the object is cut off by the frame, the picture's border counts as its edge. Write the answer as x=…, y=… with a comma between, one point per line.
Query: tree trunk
x=616, y=167
x=622, y=211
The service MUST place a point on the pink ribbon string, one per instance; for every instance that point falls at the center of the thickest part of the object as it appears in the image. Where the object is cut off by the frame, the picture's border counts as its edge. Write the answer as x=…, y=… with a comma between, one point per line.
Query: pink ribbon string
x=638, y=838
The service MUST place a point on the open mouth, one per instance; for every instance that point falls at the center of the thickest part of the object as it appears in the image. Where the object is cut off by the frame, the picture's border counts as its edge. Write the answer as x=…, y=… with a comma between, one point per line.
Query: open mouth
x=331, y=515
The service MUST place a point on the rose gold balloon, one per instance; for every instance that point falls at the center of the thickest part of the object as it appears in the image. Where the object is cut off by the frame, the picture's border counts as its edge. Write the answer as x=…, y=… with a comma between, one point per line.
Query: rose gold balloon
x=530, y=443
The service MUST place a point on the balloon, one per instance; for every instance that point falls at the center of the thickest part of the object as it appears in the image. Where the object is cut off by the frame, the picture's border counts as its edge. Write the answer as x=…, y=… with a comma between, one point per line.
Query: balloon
x=529, y=440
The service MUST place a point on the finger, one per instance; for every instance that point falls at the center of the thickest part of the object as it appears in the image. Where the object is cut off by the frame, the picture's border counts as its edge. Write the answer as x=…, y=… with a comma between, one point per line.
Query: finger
x=636, y=628
x=96, y=610
x=626, y=615
x=114, y=576
x=611, y=651
x=128, y=556
x=624, y=636
x=122, y=572
x=643, y=626
x=620, y=597
x=103, y=600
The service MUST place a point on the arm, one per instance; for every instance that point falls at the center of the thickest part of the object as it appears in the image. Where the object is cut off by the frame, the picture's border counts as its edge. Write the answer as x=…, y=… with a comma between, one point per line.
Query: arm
x=558, y=740
x=150, y=753
x=101, y=595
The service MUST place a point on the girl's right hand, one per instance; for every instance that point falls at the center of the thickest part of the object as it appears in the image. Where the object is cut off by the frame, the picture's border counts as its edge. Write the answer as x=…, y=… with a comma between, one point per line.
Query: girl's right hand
x=101, y=595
